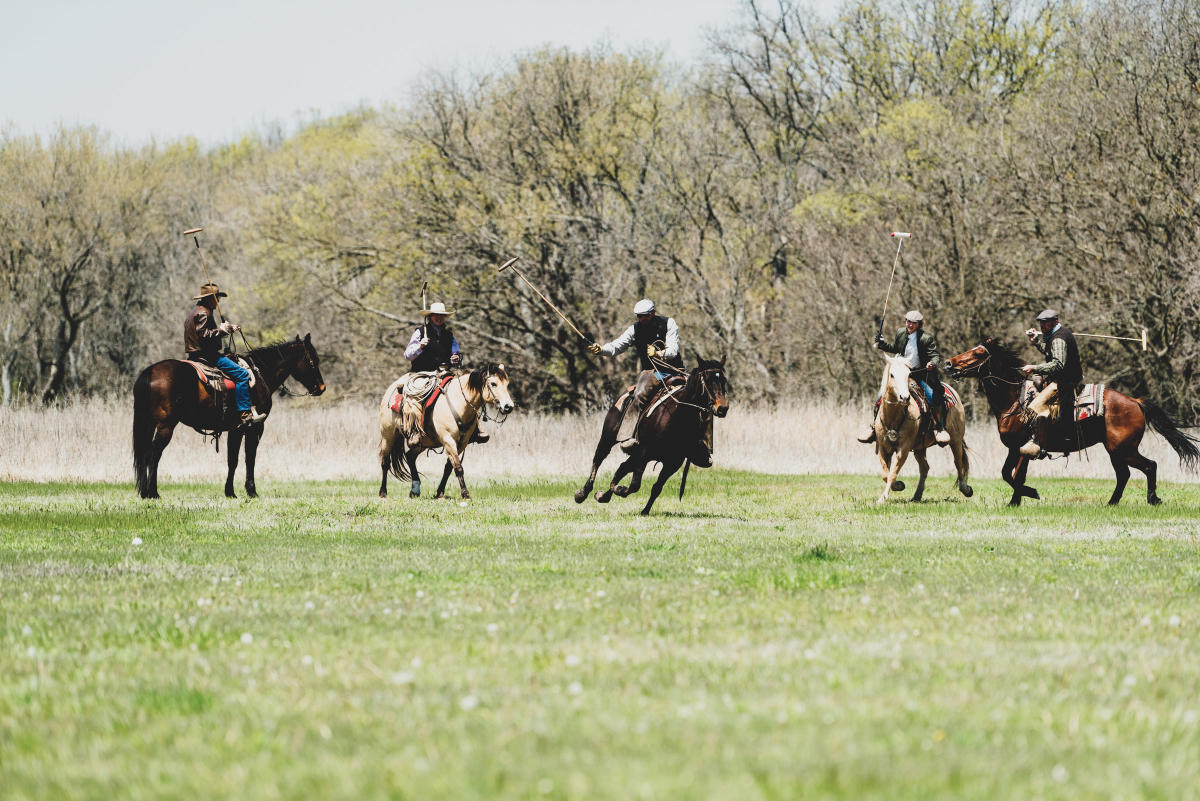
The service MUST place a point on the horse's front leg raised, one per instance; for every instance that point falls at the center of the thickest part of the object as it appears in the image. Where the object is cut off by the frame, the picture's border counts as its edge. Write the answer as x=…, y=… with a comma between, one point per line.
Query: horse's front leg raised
x=668, y=470
x=233, y=448
x=1015, y=468
x=608, y=438
x=622, y=469
x=961, y=466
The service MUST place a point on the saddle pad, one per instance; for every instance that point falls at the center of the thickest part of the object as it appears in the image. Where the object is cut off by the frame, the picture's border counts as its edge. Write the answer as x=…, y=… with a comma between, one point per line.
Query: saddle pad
x=397, y=399
x=211, y=375
x=1089, y=402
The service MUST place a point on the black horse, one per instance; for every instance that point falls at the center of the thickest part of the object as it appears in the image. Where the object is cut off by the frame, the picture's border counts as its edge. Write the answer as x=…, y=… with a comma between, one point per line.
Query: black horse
x=667, y=433
x=170, y=392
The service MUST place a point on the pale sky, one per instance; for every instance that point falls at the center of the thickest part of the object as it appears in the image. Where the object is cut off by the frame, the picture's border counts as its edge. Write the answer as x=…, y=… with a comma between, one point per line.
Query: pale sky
x=218, y=69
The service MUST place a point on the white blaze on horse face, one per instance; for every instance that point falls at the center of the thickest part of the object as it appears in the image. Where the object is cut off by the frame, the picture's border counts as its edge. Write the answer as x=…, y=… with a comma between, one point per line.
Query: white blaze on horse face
x=898, y=371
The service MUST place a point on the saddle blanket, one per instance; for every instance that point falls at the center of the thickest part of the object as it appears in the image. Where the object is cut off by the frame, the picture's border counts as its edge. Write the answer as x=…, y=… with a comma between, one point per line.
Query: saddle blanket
x=1089, y=402
x=924, y=395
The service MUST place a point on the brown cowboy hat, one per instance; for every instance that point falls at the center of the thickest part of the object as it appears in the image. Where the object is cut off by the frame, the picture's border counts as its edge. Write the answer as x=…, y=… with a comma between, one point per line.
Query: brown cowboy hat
x=437, y=308
x=210, y=289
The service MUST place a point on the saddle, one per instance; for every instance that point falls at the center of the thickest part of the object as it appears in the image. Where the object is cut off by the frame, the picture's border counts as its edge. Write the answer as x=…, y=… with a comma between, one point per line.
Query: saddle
x=214, y=379
x=1089, y=401
x=668, y=387
x=414, y=399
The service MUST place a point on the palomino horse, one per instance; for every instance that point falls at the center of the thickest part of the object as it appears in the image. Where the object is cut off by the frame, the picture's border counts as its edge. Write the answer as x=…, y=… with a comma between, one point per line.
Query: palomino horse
x=672, y=426
x=170, y=392
x=899, y=431
x=1121, y=430
x=455, y=416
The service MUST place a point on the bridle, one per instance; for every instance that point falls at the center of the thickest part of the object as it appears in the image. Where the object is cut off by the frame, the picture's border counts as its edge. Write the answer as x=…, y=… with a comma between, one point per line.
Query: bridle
x=283, y=388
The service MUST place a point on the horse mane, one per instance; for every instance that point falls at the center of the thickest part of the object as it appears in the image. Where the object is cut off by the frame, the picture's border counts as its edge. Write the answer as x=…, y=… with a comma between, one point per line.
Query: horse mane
x=476, y=378
x=1006, y=358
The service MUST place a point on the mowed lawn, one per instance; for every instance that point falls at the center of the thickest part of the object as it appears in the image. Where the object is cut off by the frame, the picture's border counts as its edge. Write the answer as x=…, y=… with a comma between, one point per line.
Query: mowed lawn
x=771, y=637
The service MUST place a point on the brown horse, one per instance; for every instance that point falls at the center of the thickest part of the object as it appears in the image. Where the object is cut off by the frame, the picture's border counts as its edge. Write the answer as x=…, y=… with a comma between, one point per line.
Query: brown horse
x=899, y=430
x=667, y=432
x=454, y=418
x=170, y=392
x=1120, y=429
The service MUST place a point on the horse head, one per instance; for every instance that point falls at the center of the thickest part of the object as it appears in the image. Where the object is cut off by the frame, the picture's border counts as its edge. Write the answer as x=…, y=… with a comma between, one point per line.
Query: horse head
x=895, y=377
x=711, y=385
x=307, y=367
x=969, y=363
x=491, y=384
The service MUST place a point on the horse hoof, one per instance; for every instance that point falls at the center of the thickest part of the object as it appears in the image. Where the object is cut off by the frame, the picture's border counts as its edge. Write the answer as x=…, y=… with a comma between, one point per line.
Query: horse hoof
x=466, y=496
x=897, y=486
x=1155, y=501
x=966, y=490
x=621, y=492
x=581, y=495
x=604, y=497
x=412, y=494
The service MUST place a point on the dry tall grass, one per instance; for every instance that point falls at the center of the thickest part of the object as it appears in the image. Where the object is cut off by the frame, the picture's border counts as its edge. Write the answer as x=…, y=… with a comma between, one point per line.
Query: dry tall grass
x=319, y=440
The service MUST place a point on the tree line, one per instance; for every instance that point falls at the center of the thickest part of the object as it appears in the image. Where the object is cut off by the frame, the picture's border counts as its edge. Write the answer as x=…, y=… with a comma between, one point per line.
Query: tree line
x=1041, y=154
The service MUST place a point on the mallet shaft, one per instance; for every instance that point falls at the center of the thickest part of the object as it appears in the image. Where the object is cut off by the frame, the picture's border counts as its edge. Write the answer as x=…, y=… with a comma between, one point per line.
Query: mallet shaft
x=511, y=263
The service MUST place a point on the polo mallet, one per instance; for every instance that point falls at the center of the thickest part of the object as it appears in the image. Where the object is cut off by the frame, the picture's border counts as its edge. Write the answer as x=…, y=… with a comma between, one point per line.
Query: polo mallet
x=1144, y=339
x=900, y=237
x=208, y=280
x=511, y=263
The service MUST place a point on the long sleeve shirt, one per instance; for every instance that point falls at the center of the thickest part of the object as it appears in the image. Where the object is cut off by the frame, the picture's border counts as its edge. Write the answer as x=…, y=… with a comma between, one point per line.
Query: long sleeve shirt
x=626, y=340
x=413, y=350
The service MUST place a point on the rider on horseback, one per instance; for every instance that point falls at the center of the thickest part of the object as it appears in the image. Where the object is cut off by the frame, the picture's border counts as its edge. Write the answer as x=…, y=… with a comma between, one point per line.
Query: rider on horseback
x=921, y=352
x=653, y=337
x=431, y=348
x=202, y=337
x=1062, y=372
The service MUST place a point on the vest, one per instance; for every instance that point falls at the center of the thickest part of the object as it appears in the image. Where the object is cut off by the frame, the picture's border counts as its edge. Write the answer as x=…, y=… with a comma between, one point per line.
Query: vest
x=648, y=335
x=1072, y=372
x=437, y=352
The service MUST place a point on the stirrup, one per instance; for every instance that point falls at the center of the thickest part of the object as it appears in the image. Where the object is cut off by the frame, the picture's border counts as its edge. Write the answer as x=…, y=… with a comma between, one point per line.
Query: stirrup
x=250, y=417
x=1031, y=449
x=868, y=438
x=630, y=446
x=480, y=438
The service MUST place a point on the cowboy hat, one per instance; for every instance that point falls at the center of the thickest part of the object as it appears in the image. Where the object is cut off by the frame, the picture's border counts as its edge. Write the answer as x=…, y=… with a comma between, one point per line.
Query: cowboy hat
x=437, y=307
x=210, y=289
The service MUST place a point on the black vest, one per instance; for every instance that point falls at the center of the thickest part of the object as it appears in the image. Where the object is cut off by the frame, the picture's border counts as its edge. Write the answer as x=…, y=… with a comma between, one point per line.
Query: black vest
x=437, y=352
x=1072, y=372
x=648, y=335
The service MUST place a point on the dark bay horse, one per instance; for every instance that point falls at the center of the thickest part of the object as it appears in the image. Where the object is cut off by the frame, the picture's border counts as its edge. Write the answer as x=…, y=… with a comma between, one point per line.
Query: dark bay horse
x=667, y=433
x=170, y=392
x=1120, y=430
x=454, y=418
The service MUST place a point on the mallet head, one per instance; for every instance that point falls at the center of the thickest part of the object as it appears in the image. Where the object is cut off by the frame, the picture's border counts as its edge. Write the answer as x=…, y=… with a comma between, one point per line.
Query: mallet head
x=508, y=264
x=900, y=235
x=191, y=231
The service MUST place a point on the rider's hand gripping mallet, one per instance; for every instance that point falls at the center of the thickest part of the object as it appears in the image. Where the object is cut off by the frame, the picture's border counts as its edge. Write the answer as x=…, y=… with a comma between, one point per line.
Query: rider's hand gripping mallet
x=900, y=237
x=512, y=263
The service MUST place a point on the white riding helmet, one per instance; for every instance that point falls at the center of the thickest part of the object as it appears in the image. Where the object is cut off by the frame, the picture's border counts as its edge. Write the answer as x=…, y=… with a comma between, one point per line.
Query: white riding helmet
x=644, y=306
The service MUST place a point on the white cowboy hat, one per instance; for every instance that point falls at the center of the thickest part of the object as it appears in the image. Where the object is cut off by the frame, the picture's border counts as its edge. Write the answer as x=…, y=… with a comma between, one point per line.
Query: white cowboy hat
x=437, y=307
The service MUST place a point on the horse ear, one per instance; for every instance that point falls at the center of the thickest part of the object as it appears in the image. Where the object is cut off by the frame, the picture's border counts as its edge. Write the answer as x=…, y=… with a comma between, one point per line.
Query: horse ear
x=722, y=362
x=699, y=361
x=989, y=341
x=308, y=338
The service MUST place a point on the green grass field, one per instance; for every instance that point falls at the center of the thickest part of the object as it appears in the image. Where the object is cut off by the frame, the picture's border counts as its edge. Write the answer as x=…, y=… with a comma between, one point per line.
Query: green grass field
x=773, y=637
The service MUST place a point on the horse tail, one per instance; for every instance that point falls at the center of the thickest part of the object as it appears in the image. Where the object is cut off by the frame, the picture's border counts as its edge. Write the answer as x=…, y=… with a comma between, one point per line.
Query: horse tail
x=397, y=464
x=683, y=481
x=1183, y=444
x=143, y=432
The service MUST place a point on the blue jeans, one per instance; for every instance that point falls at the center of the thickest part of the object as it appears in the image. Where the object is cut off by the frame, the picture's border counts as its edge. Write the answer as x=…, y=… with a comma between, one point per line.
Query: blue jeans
x=241, y=381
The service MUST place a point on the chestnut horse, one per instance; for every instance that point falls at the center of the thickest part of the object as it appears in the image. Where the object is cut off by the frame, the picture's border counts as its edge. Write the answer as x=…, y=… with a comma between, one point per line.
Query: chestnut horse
x=1121, y=429
x=667, y=432
x=170, y=392
x=455, y=416
x=899, y=431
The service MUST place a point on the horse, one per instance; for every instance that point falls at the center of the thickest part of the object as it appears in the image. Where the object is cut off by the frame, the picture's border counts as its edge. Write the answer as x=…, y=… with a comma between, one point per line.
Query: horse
x=171, y=392
x=899, y=431
x=452, y=421
x=672, y=425
x=1123, y=424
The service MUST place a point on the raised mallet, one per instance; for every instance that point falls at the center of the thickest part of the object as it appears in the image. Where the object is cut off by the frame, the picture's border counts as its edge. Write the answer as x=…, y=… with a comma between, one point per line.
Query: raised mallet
x=899, y=237
x=1144, y=339
x=511, y=264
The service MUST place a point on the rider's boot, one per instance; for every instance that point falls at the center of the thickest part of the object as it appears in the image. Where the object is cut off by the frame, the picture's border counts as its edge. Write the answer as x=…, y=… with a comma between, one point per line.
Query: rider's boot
x=941, y=436
x=869, y=436
x=633, y=411
x=1033, y=448
x=479, y=437
x=251, y=416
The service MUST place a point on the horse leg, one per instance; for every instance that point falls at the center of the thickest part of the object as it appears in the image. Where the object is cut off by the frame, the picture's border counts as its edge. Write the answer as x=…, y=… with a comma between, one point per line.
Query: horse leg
x=635, y=483
x=896, y=459
x=233, y=447
x=668, y=470
x=410, y=456
x=162, y=438
x=253, y=437
x=453, y=458
x=1150, y=468
x=441, y=491
x=622, y=469
x=962, y=466
x=923, y=466
x=608, y=438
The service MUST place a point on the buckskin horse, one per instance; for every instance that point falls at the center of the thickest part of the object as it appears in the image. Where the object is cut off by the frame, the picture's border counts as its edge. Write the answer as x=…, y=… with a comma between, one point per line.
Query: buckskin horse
x=671, y=427
x=1120, y=429
x=900, y=429
x=455, y=416
x=171, y=392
